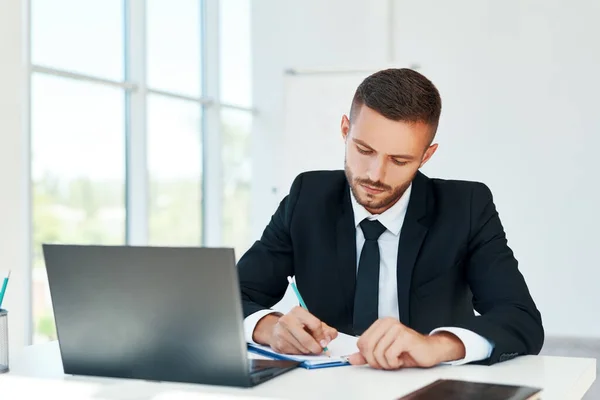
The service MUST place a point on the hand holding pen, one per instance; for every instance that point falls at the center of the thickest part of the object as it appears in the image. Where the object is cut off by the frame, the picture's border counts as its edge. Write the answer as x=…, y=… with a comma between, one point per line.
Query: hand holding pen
x=292, y=282
x=297, y=332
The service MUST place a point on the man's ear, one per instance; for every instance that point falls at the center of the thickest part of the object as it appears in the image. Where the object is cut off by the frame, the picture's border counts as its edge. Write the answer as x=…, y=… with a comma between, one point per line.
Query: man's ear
x=428, y=153
x=345, y=126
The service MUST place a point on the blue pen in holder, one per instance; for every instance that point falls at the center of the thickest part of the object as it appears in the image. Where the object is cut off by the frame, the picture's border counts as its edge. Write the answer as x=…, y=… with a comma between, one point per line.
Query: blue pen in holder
x=3, y=341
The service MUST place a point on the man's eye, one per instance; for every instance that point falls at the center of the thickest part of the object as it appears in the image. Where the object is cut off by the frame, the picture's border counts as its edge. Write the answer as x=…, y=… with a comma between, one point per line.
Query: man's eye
x=400, y=163
x=364, y=151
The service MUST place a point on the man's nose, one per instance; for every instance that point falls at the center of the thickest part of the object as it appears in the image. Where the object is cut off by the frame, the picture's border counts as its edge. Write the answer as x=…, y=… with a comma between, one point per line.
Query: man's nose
x=377, y=169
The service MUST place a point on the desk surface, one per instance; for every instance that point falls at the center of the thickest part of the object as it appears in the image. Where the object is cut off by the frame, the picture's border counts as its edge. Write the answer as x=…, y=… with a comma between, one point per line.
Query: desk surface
x=561, y=378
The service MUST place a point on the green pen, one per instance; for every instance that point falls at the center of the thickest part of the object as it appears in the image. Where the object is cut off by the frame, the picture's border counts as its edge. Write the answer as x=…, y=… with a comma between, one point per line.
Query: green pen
x=303, y=305
x=3, y=290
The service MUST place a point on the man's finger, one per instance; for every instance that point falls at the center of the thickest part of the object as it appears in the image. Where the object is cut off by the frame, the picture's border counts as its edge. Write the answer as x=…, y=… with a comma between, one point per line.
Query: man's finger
x=305, y=338
x=292, y=343
x=329, y=332
x=283, y=347
x=306, y=318
x=396, y=362
x=283, y=332
x=312, y=323
x=369, y=340
x=357, y=359
x=395, y=352
x=379, y=352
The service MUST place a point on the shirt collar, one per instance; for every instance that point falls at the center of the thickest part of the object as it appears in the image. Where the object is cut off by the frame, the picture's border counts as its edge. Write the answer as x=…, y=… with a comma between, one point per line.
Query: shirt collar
x=392, y=218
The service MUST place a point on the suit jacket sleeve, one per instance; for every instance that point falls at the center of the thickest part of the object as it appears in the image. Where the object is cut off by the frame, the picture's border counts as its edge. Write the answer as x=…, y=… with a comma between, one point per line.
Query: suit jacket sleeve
x=264, y=268
x=509, y=318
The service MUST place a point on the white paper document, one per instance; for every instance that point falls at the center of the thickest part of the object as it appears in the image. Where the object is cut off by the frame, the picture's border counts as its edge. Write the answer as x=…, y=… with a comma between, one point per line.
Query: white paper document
x=340, y=348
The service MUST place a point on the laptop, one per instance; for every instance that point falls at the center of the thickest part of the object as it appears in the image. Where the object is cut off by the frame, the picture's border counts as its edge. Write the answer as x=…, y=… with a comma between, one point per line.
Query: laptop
x=152, y=313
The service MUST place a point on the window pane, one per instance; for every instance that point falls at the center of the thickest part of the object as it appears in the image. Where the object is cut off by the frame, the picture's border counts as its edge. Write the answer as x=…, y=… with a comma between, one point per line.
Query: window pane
x=175, y=168
x=79, y=36
x=78, y=174
x=235, y=56
x=173, y=36
x=237, y=178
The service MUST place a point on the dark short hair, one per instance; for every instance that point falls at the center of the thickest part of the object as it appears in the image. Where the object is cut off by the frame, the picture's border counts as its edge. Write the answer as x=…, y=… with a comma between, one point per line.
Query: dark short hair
x=399, y=94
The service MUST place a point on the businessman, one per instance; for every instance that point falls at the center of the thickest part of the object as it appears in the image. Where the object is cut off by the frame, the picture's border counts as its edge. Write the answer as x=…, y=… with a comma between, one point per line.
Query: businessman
x=381, y=251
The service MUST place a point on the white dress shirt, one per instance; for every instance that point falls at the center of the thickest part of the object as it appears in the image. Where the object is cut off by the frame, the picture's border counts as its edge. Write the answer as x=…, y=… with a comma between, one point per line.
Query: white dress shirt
x=476, y=347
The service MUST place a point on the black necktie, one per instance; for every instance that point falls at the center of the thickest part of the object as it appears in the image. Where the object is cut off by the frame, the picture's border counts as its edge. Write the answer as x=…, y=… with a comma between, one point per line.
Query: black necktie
x=366, y=294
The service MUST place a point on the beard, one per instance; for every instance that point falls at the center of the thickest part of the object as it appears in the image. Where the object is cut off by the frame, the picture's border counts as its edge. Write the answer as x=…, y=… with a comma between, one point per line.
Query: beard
x=379, y=202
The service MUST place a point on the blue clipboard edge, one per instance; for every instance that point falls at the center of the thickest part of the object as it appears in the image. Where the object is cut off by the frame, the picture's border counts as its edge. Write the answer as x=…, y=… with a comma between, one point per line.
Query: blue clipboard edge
x=302, y=364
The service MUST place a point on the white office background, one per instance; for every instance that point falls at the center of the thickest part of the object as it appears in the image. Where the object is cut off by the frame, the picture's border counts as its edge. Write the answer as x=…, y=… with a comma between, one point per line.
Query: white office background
x=136, y=121
x=519, y=83
x=133, y=121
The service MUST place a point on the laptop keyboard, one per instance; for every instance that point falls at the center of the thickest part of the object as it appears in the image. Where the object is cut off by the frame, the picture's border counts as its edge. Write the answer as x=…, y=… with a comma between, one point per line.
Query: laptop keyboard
x=259, y=365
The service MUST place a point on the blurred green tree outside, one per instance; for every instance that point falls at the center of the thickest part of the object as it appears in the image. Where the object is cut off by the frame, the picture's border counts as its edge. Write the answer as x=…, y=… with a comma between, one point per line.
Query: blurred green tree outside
x=82, y=211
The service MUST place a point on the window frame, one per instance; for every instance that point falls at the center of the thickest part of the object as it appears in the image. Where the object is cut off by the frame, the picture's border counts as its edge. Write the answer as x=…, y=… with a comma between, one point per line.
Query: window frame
x=136, y=92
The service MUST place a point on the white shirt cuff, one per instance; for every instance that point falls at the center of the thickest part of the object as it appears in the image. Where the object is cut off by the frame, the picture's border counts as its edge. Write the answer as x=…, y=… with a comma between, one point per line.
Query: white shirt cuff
x=250, y=323
x=477, y=347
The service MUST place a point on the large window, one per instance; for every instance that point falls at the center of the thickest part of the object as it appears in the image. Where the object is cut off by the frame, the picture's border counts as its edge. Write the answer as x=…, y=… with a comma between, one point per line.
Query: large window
x=175, y=171
x=124, y=96
x=173, y=46
x=235, y=89
x=80, y=36
x=237, y=174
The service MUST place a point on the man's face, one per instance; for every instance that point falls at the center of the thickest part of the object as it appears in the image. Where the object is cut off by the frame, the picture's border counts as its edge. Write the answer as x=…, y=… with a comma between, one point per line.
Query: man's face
x=383, y=157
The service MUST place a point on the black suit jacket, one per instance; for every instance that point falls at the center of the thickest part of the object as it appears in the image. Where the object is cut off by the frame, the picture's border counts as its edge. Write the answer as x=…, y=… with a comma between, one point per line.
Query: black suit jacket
x=453, y=258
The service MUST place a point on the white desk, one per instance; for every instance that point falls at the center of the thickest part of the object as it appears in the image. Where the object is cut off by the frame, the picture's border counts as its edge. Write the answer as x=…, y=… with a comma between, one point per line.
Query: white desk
x=39, y=370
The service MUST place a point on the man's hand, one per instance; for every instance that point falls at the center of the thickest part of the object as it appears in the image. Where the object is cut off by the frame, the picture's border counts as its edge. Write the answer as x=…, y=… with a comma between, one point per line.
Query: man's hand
x=388, y=344
x=297, y=332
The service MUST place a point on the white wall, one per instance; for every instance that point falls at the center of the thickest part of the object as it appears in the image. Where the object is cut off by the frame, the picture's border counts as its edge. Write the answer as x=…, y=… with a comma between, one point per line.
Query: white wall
x=14, y=171
x=522, y=83
x=519, y=83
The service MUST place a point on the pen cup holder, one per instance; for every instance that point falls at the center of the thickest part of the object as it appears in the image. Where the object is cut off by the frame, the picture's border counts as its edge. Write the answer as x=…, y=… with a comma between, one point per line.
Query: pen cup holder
x=3, y=341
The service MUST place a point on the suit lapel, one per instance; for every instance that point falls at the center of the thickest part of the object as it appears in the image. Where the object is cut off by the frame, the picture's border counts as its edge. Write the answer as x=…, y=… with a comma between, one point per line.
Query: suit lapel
x=414, y=230
x=346, y=250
